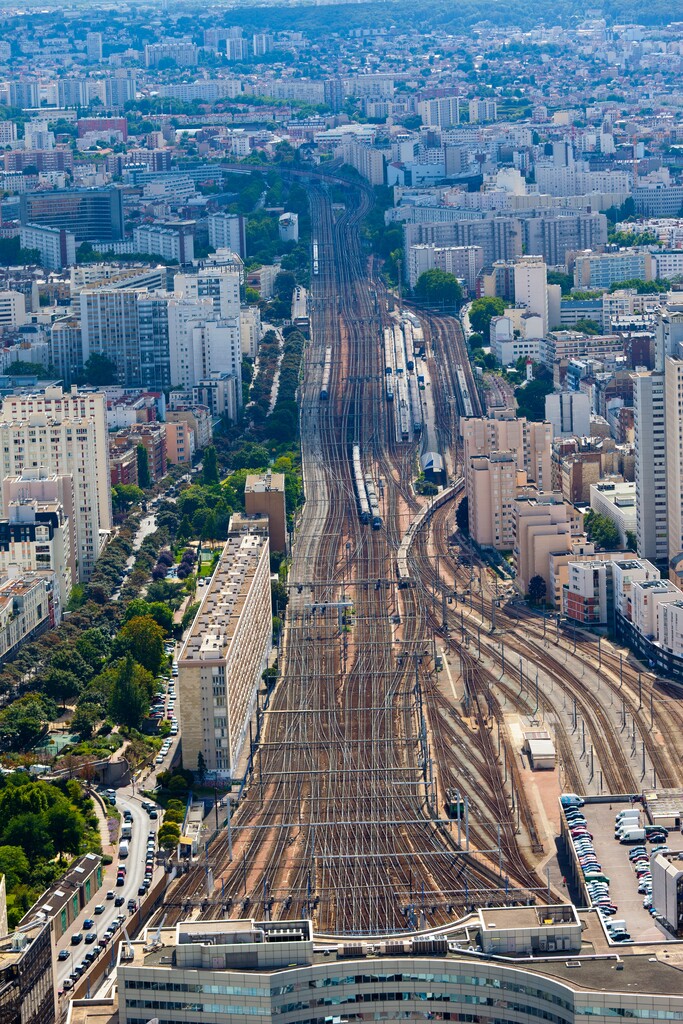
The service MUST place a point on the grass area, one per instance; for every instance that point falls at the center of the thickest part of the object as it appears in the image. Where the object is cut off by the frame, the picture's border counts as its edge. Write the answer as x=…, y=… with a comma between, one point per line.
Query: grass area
x=207, y=567
x=98, y=746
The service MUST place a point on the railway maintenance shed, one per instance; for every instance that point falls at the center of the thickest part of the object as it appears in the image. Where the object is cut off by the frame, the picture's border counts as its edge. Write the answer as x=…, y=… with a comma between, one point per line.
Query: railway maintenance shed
x=539, y=746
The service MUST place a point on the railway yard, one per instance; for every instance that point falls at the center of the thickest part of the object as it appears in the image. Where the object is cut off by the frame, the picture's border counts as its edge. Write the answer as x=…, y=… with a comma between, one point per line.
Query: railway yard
x=402, y=678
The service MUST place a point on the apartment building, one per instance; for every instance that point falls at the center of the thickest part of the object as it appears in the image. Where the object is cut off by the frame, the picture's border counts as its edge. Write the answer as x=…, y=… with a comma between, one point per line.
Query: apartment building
x=369, y=162
x=493, y=482
x=221, y=284
x=182, y=51
x=63, y=434
x=264, y=494
x=442, y=112
x=588, y=596
x=152, y=437
x=463, y=261
x=27, y=976
x=616, y=499
x=544, y=525
x=170, y=241
x=57, y=246
x=673, y=427
x=531, y=288
x=65, y=346
x=569, y=413
x=38, y=535
x=224, y=655
x=179, y=442
x=250, y=330
x=227, y=231
x=602, y=270
x=530, y=442
x=12, y=309
x=482, y=110
x=238, y=970
x=29, y=605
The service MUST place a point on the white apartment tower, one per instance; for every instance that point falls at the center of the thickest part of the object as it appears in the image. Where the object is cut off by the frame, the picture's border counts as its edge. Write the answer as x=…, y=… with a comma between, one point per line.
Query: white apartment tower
x=650, y=471
x=226, y=231
x=219, y=283
x=531, y=286
x=673, y=405
x=64, y=435
x=225, y=653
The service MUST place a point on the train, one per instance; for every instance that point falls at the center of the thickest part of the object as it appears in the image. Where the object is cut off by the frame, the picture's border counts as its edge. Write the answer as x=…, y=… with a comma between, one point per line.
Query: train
x=389, y=363
x=466, y=401
x=454, y=804
x=316, y=264
x=375, y=517
x=415, y=403
x=327, y=369
x=403, y=418
x=359, y=483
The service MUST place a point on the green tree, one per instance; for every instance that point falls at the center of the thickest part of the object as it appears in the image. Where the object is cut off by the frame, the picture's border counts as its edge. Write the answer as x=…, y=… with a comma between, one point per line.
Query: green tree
x=144, y=476
x=130, y=695
x=61, y=685
x=565, y=281
x=462, y=516
x=537, y=589
x=169, y=835
x=85, y=718
x=14, y=866
x=125, y=495
x=66, y=827
x=601, y=530
x=160, y=612
x=284, y=285
x=531, y=398
x=210, y=467
x=30, y=832
x=438, y=288
x=481, y=313
x=143, y=639
x=99, y=370
x=24, y=722
x=631, y=540
x=201, y=768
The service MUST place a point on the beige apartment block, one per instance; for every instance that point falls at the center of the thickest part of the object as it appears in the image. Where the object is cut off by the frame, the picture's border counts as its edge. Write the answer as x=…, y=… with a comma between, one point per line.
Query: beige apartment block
x=531, y=443
x=493, y=482
x=64, y=435
x=225, y=653
x=265, y=493
x=544, y=525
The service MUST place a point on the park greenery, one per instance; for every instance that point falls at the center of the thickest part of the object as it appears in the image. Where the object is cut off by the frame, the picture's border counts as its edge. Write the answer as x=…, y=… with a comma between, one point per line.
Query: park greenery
x=482, y=312
x=42, y=823
x=601, y=530
x=438, y=288
x=530, y=395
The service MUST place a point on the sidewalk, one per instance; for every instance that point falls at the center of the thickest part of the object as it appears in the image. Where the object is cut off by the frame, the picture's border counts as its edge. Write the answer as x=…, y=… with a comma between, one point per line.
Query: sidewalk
x=108, y=834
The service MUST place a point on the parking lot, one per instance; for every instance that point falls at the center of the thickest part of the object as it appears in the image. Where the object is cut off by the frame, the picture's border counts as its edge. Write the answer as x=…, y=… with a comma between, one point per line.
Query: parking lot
x=617, y=866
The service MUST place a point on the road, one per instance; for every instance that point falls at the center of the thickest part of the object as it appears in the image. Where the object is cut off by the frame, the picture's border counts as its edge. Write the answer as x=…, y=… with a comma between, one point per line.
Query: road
x=147, y=525
x=135, y=865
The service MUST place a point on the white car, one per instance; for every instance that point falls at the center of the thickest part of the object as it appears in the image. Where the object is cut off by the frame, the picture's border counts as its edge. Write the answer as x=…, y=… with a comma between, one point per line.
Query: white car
x=159, y=759
x=174, y=730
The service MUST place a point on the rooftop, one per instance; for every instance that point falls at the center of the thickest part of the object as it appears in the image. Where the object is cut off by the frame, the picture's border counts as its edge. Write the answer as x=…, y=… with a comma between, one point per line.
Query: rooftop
x=259, y=483
x=595, y=968
x=216, y=621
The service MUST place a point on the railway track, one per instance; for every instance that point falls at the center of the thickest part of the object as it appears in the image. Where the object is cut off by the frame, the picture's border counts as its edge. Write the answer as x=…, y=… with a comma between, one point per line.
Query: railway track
x=340, y=820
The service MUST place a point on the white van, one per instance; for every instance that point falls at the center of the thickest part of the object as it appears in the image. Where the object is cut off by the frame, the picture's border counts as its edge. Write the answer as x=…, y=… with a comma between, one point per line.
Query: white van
x=632, y=812
x=123, y=849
